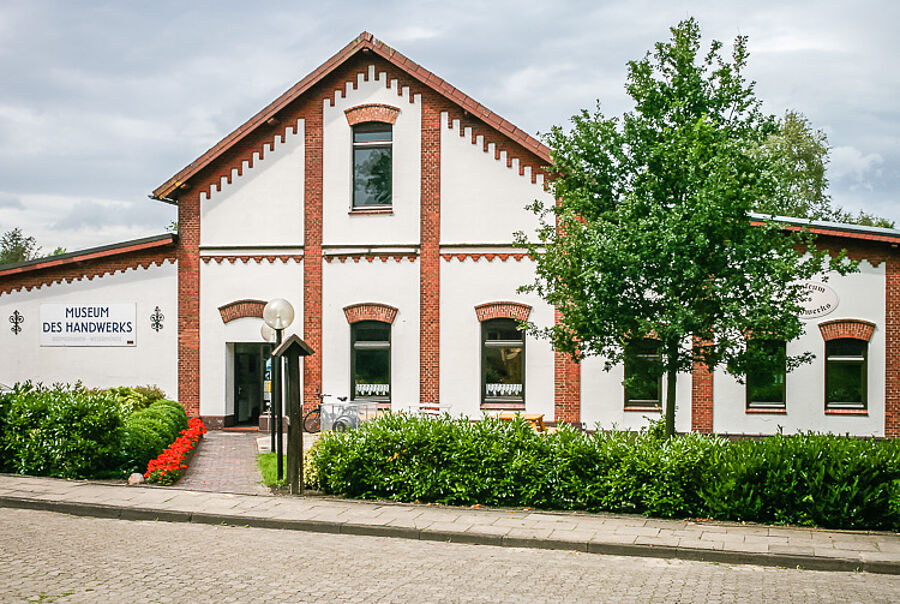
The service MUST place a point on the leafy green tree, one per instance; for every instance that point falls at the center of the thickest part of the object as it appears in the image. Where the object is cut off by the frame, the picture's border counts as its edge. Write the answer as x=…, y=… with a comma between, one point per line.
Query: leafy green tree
x=650, y=238
x=16, y=247
x=59, y=251
x=798, y=157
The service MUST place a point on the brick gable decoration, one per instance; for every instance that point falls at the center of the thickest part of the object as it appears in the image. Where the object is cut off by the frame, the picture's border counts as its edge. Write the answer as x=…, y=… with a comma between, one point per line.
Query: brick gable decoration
x=240, y=309
x=370, y=311
x=502, y=310
x=372, y=112
x=847, y=328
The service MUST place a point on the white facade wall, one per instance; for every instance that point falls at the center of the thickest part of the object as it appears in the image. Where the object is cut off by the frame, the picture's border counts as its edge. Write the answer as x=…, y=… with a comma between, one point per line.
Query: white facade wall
x=264, y=205
x=153, y=360
x=390, y=282
x=603, y=399
x=221, y=283
x=402, y=225
x=861, y=296
x=465, y=285
x=482, y=199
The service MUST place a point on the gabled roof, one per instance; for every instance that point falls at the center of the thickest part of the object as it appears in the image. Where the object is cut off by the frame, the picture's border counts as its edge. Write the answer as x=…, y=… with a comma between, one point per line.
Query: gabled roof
x=365, y=41
x=104, y=251
x=834, y=229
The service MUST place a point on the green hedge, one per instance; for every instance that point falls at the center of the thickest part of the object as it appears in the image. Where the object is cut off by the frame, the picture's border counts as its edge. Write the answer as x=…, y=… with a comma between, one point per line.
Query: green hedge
x=63, y=431
x=806, y=479
x=73, y=432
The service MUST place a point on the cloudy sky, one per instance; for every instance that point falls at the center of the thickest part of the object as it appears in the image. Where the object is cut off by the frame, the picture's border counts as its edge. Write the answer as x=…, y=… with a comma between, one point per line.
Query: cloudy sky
x=102, y=101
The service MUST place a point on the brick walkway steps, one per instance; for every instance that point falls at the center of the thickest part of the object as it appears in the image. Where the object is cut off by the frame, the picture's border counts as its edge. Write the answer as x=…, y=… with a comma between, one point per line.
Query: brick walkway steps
x=607, y=534
x=225, y=462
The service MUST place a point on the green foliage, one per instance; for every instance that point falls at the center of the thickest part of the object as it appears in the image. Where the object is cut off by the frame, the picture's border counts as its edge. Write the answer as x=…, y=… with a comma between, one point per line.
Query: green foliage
x=148, y=431
x=797, y=156
x=132, y=398
x=62, y=431
x=16, y=247
x=837, y=482
x=651, y=236
x=269, y=470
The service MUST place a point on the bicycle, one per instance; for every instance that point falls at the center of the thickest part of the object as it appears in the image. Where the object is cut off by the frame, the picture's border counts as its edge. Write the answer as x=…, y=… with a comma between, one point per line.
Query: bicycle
x=312, y=421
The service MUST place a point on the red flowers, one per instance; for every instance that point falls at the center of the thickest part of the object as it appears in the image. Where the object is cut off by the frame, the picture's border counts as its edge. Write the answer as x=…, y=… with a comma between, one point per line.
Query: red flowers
x=168, y=467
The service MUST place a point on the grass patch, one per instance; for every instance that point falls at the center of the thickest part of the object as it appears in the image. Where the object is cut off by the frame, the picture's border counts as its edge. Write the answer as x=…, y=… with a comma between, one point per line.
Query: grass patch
x=267, y=463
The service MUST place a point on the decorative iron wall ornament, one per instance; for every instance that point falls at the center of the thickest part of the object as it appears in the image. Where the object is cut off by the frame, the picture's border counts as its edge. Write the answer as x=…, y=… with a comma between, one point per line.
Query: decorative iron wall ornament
x=156, y=319
x=16, y=319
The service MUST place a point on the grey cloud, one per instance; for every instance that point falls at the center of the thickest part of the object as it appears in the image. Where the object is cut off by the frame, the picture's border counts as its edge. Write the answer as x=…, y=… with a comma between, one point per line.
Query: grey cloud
x=10, y=201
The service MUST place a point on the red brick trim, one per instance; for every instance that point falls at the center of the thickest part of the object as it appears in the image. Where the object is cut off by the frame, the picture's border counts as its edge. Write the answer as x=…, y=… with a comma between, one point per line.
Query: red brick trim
x=271, y=259
x=342, y=258
x=701, y=398
x=892, y=346
x=370, y=311
x=766, y=410
x=189, y=302
x=847, y=412
x=847, y=328
x=502, y=310
x=645, y=409
x=92, y=269
x=489, y=257
x=241, y=308
x=372, y=112
x=312, y=249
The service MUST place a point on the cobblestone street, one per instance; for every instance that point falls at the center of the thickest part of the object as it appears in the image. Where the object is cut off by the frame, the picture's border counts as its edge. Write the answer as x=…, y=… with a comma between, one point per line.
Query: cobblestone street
x=53, y=557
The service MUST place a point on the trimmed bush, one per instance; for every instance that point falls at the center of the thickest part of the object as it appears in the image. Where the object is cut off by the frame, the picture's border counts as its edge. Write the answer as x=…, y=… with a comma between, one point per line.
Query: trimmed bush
x=133, y=398
x=149, y=431
x=808, y=479
x=62, y=431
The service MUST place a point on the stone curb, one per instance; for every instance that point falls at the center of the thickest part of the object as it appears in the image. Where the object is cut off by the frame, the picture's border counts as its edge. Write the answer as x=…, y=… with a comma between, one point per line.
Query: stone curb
x=98, y=510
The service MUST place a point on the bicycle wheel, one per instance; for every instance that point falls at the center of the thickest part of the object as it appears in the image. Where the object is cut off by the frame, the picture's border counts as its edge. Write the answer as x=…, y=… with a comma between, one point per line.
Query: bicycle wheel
x=312, y=421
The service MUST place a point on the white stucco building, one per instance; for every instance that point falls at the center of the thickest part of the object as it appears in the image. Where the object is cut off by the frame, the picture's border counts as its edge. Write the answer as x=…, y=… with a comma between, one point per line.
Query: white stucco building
x=381, y=202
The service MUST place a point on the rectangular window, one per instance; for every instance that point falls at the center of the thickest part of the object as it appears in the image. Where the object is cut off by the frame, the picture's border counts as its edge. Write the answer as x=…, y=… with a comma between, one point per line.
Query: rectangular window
x=766, y=383
x=370, y=363
x=643, y=375
x=845, y=373
x=372, y=143
x=502, y=361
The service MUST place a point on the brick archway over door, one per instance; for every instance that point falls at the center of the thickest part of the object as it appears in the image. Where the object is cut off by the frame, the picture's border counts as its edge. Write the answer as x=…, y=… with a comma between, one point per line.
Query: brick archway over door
x=241, y=308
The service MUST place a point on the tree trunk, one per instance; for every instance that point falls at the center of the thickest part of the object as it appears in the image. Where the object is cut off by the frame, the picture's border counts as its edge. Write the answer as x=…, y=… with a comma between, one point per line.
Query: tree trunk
x=671, y=375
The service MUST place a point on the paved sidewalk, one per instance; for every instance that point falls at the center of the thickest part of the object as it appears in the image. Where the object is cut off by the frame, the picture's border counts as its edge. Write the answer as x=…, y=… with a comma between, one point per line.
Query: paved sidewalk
x=597, y=533
x=225, y=462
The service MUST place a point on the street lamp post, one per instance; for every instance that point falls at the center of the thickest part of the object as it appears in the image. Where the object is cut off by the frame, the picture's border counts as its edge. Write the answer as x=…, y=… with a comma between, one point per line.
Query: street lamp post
x=278, y=314
x=268, y=335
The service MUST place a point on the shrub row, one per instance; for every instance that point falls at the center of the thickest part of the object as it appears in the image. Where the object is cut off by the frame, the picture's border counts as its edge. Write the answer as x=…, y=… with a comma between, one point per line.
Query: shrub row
x=69, y=431
x=805, y=479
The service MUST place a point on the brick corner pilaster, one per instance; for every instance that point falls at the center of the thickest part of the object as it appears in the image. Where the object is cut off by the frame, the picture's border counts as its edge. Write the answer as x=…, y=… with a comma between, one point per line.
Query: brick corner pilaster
x=701, y=399
x=892, y=346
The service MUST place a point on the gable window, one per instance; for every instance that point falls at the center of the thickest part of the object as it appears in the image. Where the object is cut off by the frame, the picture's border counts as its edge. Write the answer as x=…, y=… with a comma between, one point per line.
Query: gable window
x=370, y=361
x=502, y=361
x=643, y=375
x=766, y=385
x=372, y=150
x=845, y=373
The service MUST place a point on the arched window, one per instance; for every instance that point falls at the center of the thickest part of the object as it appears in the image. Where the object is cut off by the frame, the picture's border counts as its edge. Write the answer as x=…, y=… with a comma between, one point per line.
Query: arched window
x=502, y=362
x=370, y=361
x=372, y=158
x=845, y=373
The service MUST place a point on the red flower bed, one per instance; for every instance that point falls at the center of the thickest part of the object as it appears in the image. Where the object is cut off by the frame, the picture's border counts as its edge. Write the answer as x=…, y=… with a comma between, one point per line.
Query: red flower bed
x=168, y=467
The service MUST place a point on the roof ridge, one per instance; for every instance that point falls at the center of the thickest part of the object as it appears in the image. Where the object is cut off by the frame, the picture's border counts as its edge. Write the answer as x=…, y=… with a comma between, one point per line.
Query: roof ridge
x=365, y=40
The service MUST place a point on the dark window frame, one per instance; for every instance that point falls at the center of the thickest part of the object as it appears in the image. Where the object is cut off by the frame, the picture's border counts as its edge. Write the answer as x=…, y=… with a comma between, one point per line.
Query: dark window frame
x=372, y=345
x=387, y=143
x=864, y=375
x=485, y=344
x=769, y=405
x=640, y=404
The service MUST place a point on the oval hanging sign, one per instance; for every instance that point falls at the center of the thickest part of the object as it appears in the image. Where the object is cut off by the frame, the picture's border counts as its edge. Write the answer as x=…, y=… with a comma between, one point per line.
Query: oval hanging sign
x=822, y=300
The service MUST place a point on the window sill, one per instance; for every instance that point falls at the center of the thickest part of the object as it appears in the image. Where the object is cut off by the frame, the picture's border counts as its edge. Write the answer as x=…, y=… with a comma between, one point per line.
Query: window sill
x=365, y=211
x=645, y=409
x=503, y=406
x=769, y=410
x=846, y=411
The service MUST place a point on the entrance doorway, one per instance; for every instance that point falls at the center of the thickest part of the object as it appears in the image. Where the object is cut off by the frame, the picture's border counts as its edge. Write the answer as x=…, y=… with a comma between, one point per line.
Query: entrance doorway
x=249, y=382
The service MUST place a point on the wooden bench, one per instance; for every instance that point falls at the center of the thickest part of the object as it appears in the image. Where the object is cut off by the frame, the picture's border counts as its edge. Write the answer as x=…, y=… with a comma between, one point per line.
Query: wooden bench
x=535, y=419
